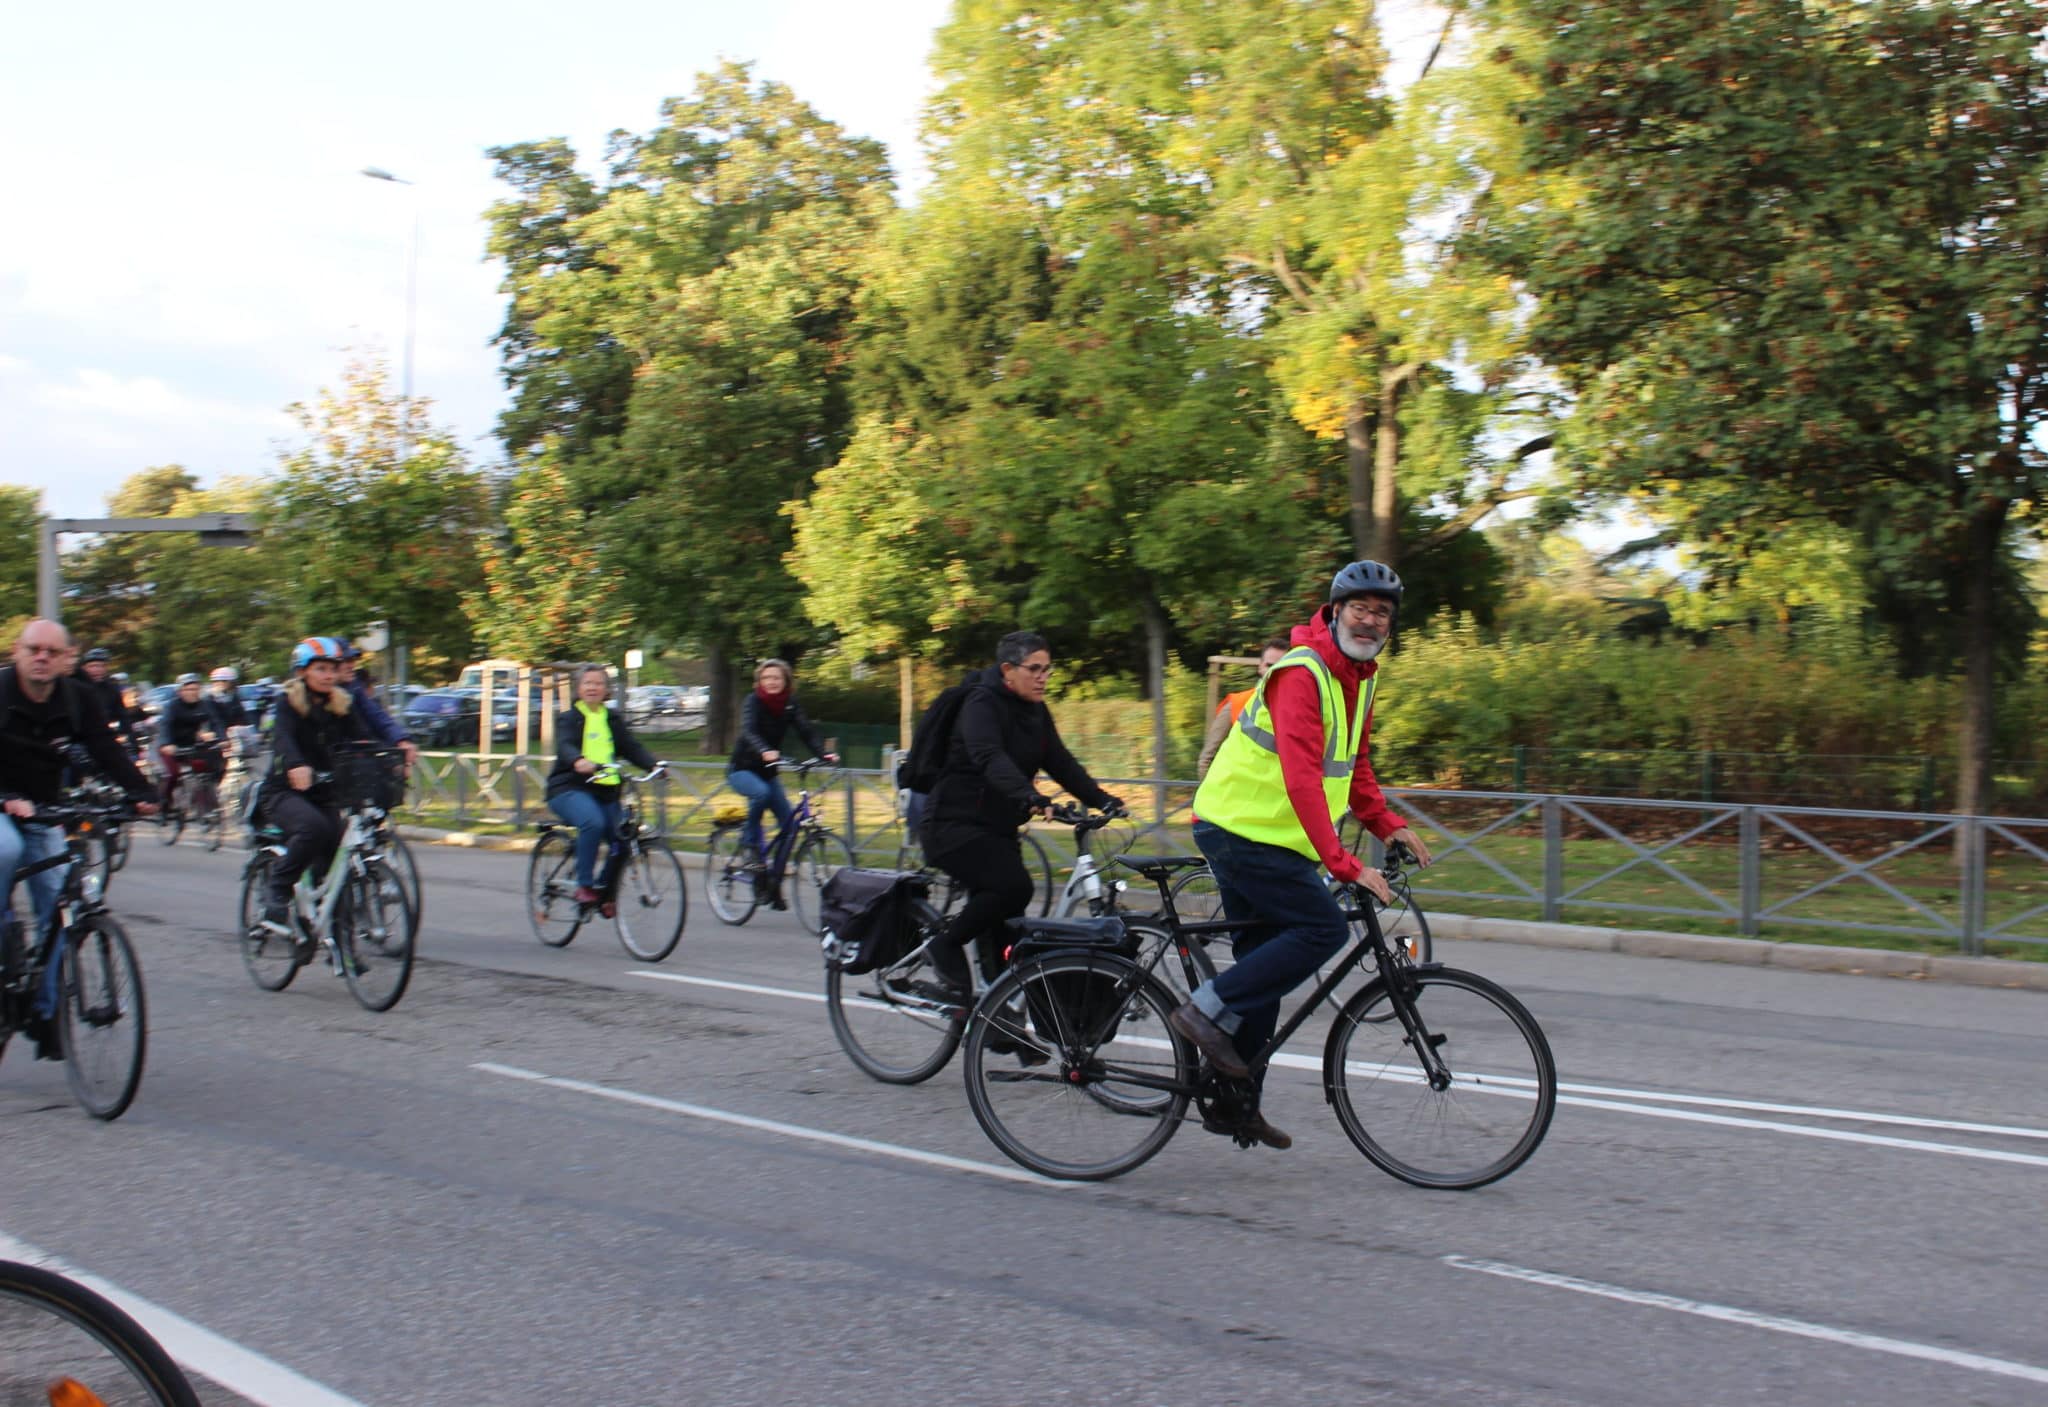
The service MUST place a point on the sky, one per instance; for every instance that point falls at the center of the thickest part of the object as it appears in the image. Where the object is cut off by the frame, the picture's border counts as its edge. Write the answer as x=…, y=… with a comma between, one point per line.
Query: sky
x=192, y=246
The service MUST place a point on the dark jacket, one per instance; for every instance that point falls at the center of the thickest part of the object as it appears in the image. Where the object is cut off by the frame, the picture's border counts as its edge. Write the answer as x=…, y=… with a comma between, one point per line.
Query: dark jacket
x=308, y=736
x=1000, y=743
x=762, y=731
x=180, y=724
x=33, y=737
x=382, y=725
x=228, y=711
x=108, y=694
x=569, y=747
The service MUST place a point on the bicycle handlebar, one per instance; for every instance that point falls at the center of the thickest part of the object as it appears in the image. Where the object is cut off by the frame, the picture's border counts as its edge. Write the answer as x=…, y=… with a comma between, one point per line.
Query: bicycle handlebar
x=613, y=769
x=1082, y=819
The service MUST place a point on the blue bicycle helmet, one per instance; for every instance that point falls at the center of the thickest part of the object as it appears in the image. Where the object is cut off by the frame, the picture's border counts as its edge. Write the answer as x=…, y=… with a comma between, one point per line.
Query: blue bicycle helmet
x=316, y=647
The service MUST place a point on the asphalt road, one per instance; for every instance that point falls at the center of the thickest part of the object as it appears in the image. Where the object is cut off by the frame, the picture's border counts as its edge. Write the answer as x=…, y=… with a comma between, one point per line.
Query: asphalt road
x=1756, y=1190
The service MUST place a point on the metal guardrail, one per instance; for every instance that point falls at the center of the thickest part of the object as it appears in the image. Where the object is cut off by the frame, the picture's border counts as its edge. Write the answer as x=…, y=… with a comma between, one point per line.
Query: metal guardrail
x=1916, y=874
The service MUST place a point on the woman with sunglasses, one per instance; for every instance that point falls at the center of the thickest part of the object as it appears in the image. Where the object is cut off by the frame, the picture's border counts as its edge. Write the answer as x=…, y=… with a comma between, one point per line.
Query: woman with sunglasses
x=1002, y=739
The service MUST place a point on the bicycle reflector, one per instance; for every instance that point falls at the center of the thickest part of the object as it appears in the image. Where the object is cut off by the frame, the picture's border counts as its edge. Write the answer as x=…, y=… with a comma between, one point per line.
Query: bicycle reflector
x=70, y=1392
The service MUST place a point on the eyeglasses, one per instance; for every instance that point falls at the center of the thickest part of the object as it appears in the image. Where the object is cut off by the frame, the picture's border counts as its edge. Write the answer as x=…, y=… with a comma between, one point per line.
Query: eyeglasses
x=1368, y=608
x=1036, y=671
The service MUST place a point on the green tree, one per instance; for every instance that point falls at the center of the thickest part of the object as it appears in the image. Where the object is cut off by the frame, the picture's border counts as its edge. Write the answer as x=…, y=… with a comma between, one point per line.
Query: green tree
x=366, y=532
x=545, y=594
x=21, y=518
x=1802, y=279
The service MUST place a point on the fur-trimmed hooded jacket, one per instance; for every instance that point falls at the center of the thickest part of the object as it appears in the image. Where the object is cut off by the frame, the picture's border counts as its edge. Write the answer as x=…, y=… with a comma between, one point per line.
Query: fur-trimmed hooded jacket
x=309, y=726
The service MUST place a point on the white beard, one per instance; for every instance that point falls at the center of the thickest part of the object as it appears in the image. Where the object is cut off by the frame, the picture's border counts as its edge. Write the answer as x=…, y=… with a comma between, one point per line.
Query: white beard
x=1354, y=645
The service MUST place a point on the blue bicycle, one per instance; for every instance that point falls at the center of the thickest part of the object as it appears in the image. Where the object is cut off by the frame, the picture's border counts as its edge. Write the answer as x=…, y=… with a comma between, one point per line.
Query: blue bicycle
x=805, y=852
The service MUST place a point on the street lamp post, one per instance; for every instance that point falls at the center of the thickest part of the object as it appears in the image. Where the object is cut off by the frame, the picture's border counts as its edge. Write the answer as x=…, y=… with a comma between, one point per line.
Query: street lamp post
x=412, y=289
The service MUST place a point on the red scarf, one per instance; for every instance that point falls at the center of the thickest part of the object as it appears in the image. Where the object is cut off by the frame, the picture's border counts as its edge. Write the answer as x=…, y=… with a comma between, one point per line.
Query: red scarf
x=774, y=703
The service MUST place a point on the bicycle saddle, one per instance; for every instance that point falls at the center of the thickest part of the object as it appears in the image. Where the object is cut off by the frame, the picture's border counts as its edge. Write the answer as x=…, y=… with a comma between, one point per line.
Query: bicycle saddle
x=1153, y=865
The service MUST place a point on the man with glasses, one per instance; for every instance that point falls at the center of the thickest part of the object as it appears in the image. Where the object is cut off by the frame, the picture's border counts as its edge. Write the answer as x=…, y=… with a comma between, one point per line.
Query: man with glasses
x=1002, y=739
x=45, y=718
x=1266, y=818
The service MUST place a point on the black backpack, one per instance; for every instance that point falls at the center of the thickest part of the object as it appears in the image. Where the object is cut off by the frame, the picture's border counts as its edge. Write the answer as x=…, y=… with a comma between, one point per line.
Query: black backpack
x=919, y=770
x=867, y=918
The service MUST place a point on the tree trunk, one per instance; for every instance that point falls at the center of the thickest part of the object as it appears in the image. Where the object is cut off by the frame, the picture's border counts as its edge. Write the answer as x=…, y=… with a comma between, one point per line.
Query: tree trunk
x=1385, y=543
x=718, y=711
x=1358, y=465
x=1980, y=660
x=1155, y=682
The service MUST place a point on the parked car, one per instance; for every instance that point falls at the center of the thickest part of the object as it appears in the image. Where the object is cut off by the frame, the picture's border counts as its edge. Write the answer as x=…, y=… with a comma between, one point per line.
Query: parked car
x=442, y=719
x=505, y=718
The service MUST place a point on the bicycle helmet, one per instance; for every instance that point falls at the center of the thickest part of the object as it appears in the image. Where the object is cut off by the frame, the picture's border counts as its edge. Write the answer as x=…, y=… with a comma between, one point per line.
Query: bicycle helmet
x=97, y=655
x=185, y=679
x=224, y=675
x=350, y=650
x=315, y=647
x=1365, y=579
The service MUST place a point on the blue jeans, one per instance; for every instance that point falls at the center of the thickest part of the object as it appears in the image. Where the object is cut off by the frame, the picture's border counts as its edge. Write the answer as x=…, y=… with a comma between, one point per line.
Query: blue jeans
x=596, y=820
x=1271, y=884
x=24, y=845
x=762, y=793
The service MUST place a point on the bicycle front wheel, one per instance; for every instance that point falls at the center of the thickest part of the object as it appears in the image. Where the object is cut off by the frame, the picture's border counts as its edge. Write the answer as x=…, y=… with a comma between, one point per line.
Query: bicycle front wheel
x=101, y=1017
x=1071, y=1068
x=818, y=857
x=728, y=877
x=892, y=1022
x=117, y=848
x=74, y=1345
x=212, y=819
x=373, y=932
x=551, y=905
x=1475, y=1118
x=652, y=901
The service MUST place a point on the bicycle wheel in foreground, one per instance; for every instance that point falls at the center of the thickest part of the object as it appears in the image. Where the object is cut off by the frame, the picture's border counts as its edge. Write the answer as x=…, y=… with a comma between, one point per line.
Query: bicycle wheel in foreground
x=272, y=962
x=652, y=902
x=101, y=1017
x=373, y=930
x=818, y=857
x=1072, y=1095
x=551, y=905
x=398, y=855
x=1463, y=1130
x=63, y=1343
x=890, y=1022
x=728, y=881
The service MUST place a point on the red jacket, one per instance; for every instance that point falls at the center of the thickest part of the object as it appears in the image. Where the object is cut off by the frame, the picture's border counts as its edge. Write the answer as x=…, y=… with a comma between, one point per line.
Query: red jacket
x=1296, y=704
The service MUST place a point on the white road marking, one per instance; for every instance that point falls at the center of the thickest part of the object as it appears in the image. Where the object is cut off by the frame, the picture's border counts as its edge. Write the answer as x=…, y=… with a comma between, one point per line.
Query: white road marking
x=1577, y=1094
x=199, y=1349
x=749, y=1121
x=1730, y=1314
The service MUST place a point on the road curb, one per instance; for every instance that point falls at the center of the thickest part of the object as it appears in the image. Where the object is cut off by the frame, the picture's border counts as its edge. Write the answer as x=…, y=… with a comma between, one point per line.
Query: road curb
x=1753, y=952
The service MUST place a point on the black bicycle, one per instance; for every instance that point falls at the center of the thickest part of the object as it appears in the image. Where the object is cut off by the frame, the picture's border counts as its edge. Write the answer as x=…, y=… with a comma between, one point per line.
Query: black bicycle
x=195, y=798
x=805, y=853
x=77, y=989
x=1440, y=1077
x=641, y=890
x=73, y=1347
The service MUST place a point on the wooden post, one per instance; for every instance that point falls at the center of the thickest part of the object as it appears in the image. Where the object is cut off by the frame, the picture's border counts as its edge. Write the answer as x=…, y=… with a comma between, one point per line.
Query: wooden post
x=906, y=711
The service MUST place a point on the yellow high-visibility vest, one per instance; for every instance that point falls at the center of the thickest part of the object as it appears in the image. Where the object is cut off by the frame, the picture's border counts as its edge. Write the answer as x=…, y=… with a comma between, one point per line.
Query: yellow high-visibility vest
x=1245, y=791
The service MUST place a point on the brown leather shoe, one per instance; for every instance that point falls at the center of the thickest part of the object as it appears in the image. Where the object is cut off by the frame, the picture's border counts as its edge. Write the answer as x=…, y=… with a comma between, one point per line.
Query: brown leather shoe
x=1209, y=1038
x=1256, y=1128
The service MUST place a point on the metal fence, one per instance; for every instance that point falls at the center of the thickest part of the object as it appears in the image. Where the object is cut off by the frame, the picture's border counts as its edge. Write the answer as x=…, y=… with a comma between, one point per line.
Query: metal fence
x=1975, y=881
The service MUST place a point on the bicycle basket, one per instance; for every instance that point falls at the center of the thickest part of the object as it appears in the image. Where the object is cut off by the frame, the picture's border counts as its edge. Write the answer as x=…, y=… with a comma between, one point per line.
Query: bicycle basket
x=370, y=779
x=729, y=813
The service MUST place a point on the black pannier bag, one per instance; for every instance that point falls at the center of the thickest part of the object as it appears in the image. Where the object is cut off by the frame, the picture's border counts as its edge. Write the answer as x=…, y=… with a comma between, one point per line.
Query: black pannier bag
x=867, y=917
x=1076, y=1007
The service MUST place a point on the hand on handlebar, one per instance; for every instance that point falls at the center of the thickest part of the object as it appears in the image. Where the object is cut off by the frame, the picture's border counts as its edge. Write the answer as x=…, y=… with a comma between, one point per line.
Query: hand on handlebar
x=301, y=778
x=1408, y=838
x=19, y=808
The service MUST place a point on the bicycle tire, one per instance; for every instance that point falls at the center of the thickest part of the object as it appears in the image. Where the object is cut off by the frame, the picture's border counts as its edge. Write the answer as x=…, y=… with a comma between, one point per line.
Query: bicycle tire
x=1058, y=1088
x=551, y=906
x=373, y=936
x=1039, y=866
x=38, y=1350
x=889, y=1030
x=117, y=848
x=650, y=890
x=728, y=882
x=170, y=821
x=212, y=820
x=398, y=855
x=1502, y=1090
x=271, y=962
x=817, y=857
x=102, y=1017
x=944, y=894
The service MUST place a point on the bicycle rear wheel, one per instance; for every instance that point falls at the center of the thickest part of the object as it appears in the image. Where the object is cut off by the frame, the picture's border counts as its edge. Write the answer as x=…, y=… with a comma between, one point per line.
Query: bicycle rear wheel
x=1038, y=865
x=101, y=1017
x=212, y=819
x=728, y=878
x=891, y=1022
x=1480, y=1118
x=1092, y=1081
x=54, y=1330
x=652, y=901
x=551, y=905
x=818, y=857
x=373, y=933
x=272, y=962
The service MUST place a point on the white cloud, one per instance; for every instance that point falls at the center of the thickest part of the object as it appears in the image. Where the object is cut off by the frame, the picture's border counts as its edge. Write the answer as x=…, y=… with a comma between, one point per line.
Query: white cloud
x=150, y=400
x=13, y=366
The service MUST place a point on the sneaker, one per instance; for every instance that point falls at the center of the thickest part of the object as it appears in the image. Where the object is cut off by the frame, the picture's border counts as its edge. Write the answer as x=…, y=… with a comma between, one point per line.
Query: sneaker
x=609, y=909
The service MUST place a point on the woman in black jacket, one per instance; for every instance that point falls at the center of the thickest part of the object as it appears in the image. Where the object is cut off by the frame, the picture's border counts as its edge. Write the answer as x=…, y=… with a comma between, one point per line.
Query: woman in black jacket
x=314, y=721
x=588, y=735
x=1002, y=739
x=767, y=718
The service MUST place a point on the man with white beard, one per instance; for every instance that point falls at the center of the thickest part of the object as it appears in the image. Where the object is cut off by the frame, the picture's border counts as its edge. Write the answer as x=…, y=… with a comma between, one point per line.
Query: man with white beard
x=1266, y=818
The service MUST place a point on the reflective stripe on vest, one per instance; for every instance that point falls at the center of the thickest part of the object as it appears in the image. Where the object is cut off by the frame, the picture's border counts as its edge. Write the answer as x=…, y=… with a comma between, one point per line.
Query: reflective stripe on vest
x=1246, y=791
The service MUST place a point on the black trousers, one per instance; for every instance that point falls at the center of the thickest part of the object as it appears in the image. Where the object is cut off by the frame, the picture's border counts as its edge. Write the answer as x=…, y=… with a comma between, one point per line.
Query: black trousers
x=312, y=833
x=989, y=865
